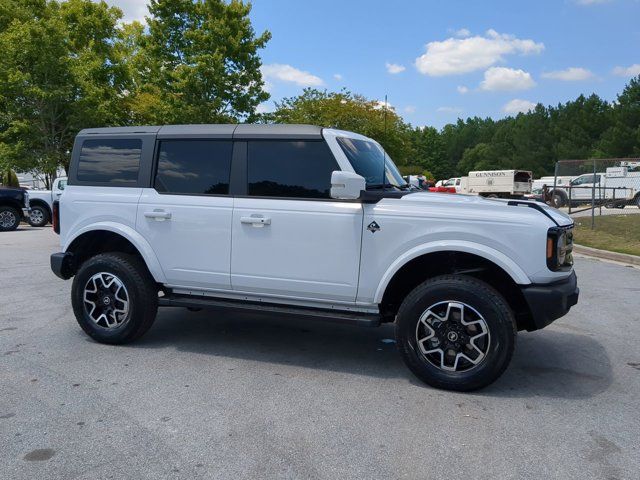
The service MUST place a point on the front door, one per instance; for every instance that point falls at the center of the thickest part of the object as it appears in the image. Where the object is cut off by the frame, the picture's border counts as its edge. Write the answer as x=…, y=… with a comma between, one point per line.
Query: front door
x=289, y=237
x=186, y=216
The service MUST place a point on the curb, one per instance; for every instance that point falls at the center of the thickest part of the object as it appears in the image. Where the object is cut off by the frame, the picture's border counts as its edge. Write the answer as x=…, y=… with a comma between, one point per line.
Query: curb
x=607, y=255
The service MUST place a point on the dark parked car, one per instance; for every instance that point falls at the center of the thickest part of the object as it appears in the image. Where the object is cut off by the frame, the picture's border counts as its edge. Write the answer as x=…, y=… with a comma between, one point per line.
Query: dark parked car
x=14, y=207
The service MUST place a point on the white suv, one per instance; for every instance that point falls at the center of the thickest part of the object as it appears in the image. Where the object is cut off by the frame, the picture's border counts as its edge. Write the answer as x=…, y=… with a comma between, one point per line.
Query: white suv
x=305, y=221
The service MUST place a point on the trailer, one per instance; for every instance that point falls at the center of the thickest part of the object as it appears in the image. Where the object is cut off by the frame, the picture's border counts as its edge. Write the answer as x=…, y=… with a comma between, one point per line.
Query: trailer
x=498, y=183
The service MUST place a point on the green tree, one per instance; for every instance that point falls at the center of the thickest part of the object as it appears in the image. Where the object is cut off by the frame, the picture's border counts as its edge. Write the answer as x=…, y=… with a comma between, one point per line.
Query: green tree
x=199, y=63
x=57, y=74
x=622, y=138
x=9, y=178
x=430, y=152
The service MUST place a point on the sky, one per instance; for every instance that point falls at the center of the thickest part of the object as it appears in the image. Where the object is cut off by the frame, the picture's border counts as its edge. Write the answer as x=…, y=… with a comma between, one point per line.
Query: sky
x=441, y=60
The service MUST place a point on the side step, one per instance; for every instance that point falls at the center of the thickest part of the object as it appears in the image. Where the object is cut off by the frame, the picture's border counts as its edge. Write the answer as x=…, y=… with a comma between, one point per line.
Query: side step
x=350, y=318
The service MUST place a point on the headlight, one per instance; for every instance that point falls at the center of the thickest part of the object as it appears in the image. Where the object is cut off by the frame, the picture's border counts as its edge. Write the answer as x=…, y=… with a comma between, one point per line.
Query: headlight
x=560, y=248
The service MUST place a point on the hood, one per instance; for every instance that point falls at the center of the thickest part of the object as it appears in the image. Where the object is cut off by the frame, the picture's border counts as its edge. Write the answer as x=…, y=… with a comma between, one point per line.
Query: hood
x=451, y=200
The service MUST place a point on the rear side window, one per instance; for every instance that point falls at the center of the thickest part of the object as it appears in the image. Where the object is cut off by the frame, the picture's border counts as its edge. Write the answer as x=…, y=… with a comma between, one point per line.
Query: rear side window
x=299, y=169
x=197, y=167
x=110, y=161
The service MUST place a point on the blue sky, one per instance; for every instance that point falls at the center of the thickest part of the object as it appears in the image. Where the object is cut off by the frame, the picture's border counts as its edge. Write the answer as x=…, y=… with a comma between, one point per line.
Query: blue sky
x=440, y=60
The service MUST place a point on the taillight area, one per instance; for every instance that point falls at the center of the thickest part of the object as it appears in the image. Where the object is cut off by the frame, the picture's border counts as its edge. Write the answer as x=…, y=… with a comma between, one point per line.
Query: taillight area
x=55, y=220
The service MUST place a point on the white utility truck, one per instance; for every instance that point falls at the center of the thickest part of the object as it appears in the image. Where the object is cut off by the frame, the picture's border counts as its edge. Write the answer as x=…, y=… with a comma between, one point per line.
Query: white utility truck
x=497, y=183
x=41, y=202
x=307, y=222
x=616, y=187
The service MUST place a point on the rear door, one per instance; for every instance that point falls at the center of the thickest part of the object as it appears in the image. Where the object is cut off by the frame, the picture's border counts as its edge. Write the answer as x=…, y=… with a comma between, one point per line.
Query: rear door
x=186, y=214
x=289, y=237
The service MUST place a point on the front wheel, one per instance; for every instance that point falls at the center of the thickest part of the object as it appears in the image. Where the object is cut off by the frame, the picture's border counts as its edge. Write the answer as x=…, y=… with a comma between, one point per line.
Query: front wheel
x=114, y=298
x=456, y=332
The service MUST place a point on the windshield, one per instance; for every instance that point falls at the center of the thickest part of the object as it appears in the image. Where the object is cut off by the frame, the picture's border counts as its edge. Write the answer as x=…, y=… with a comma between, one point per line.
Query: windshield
x=366, y=158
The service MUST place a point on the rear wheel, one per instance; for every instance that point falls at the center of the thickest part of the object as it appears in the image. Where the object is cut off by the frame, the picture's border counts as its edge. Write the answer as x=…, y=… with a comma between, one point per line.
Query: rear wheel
x=39, y=216
x=456, y=332
x=114, y=298
x=559, y=199
x=9, y=219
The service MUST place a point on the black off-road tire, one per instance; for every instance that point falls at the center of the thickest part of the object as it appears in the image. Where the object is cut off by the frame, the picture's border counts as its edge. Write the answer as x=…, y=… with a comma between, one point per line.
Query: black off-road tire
x=44, y=218
x=141, y=289
x=481, y=297
x=9, y=213
x=559, y=199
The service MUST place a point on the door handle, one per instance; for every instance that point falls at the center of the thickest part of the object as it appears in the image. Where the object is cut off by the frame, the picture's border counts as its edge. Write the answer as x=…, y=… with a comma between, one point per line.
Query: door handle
x=256, y=221
x=158, y=215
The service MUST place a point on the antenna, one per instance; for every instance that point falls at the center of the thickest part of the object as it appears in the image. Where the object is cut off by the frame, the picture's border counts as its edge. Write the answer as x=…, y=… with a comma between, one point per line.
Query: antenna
x=384, y=152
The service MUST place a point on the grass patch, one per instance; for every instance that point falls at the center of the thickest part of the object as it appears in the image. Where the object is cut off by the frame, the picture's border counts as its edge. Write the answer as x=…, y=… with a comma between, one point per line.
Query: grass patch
x=616, y=233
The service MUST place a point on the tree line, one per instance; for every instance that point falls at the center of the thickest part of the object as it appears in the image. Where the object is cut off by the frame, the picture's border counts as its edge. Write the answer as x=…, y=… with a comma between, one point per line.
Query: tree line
x=73, y=64
x=587, y=127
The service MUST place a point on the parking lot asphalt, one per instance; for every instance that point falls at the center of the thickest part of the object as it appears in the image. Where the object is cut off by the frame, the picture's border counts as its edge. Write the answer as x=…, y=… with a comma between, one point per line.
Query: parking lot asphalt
x=210, y=395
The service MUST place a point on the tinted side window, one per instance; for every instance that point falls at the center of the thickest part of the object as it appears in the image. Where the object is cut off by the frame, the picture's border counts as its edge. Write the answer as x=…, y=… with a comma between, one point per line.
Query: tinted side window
x=194, y=166
x=114, y=161
x=300, y=169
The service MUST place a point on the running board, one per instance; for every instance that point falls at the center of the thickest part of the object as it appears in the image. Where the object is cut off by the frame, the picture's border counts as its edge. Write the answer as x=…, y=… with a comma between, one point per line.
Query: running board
x=350, y=318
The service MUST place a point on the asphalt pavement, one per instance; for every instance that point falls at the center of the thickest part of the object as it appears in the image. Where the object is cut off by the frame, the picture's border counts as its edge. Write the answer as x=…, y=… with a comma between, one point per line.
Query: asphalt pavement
x=211, y=395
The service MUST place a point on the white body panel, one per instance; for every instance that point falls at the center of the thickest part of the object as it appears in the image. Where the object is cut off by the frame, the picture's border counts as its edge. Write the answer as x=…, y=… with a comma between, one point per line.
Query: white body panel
x=513, y=238
x=307, y=249
x=85, y=209
x=194, y=244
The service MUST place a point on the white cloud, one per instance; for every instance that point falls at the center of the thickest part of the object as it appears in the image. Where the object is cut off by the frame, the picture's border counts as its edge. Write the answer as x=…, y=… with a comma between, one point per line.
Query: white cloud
x=506, y=79
x=462, y=33
x=410, y=109
x=630, y=71
x=380, y=105
x=462, y=90
x=450, y=110
x=518, y=105
x=131, y=9
x=462, y=55
x=394, y=68
x=337, y=76
x=571, y=74
x=287, y=73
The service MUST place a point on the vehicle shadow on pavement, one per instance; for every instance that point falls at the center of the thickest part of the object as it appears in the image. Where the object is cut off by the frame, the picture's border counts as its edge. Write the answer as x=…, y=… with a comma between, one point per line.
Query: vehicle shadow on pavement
x=547, y=363
x=555, y=364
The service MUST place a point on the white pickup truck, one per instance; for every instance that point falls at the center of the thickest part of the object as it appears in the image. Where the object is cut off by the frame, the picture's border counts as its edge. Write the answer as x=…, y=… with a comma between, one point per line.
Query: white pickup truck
x=305, y=221
x=41, y=202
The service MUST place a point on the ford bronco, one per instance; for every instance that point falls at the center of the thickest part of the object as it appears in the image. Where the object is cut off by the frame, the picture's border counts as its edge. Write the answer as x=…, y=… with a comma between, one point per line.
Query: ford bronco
x=311, y=222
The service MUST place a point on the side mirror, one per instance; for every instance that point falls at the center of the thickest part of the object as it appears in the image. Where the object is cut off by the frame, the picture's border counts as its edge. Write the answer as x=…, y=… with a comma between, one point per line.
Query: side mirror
x=346, y=185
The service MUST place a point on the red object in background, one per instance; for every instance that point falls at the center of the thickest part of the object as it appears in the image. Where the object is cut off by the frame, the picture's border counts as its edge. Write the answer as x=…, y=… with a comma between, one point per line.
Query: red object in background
x=443, y=189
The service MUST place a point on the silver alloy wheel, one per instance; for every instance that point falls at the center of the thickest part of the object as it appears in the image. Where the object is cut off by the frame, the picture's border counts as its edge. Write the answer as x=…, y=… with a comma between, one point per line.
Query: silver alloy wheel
x=7, y=219
x=106, y=300
x=453, y=336
x=36, y=216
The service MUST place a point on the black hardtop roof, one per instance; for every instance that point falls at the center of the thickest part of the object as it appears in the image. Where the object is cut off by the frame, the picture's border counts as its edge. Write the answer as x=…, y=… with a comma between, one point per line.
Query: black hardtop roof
x=237, y=131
